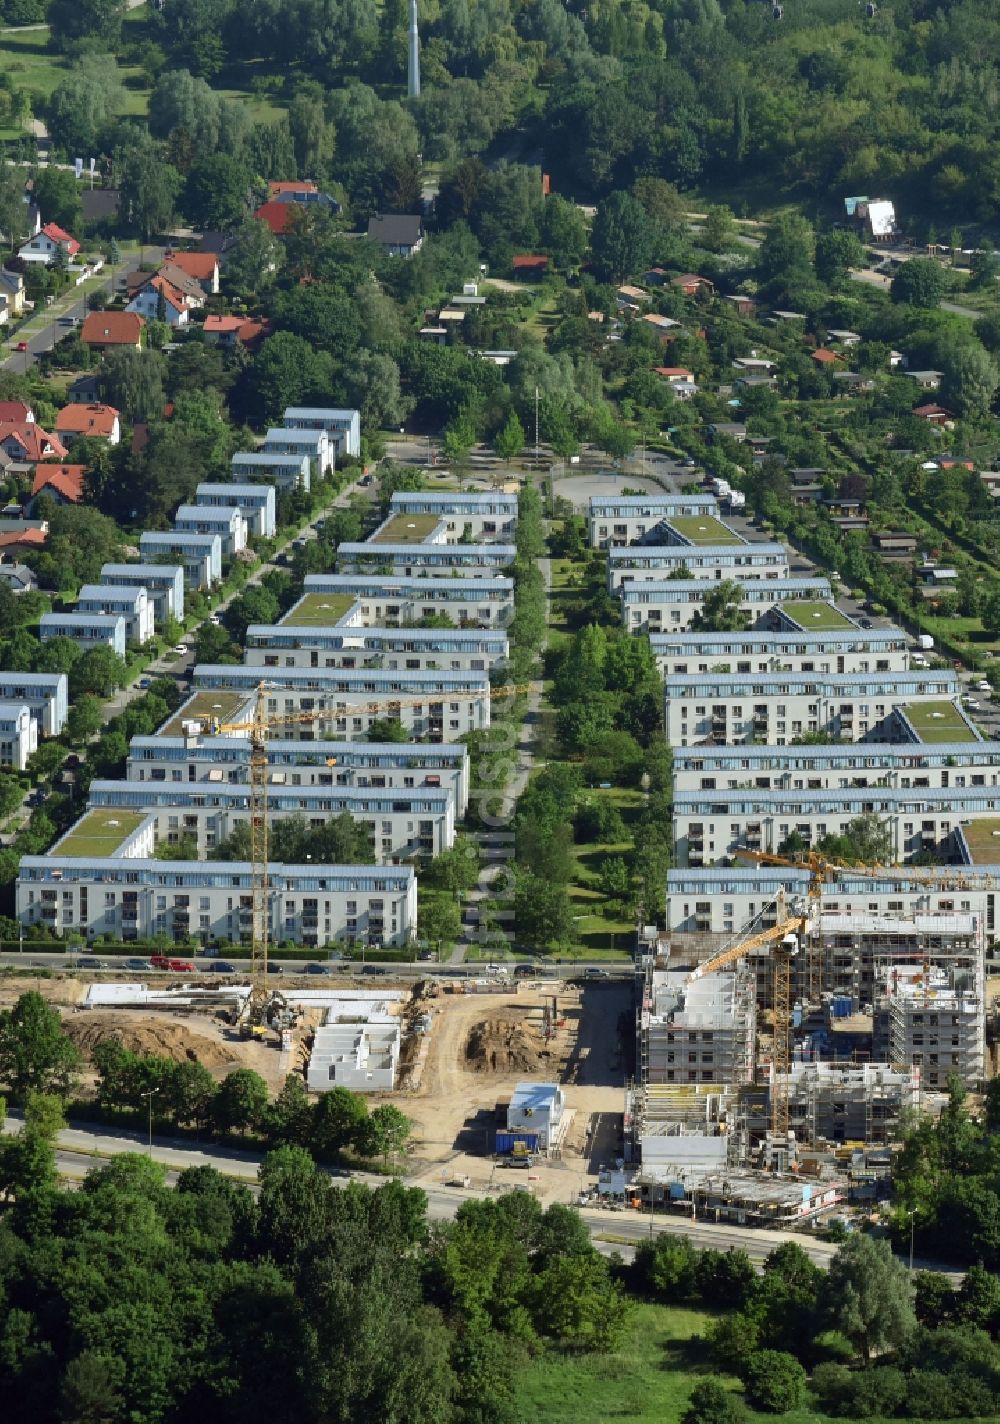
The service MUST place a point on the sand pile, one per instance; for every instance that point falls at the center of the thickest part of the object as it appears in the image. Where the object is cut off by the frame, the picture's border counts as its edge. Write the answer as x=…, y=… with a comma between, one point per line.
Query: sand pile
x=141, y=1035
x=505, y=1045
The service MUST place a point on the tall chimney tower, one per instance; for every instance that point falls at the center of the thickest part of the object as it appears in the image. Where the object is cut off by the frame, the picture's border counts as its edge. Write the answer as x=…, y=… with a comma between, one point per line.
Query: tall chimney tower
x=413, y=69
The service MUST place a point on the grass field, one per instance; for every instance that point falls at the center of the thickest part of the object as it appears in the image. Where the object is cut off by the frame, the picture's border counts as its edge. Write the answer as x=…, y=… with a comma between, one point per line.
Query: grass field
x=938, y=722
x=814, y=613
x=704, y=529
x=597, y=933
x=407, y=529
x=101, y=832
x=319, y=610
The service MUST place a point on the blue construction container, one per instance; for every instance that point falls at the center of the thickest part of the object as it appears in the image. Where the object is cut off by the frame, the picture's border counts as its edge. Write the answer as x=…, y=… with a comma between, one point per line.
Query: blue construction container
x=841, y=1007
x=505, y=1142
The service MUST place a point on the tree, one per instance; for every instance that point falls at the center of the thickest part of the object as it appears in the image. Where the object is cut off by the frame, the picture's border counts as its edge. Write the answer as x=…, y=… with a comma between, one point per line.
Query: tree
x=918, y=283
x=775, y=1381
x=217, y=192
x=240, y=1101
x=661, y=202
x=286, y=371
x=621, y=237
x=98, y=670
x=383, y=1133
x=837, y=252
x=510, y=439
x=865, y=840
x=97, y=23
x=149, y=187
x=969, y=380
x=563, y=232
x=440, y=919
x=85, y=719
x=338, y=1120
x=787, y=252
x=87, y=1394
x=58, y=196
x=542, y=913
x=719, y=227
x=35, y=1053
x=132, y=381
x=870, y=1296
x=720, y=611
x=712, y=1403
x=256, y=255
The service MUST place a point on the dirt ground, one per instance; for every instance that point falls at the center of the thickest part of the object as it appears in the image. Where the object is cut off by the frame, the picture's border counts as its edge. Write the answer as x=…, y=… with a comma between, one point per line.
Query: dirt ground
x=482, y=1045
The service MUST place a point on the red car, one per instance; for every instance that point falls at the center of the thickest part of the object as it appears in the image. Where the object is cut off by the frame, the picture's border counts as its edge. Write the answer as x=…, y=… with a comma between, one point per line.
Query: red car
x=22, y=346
x=175, y=966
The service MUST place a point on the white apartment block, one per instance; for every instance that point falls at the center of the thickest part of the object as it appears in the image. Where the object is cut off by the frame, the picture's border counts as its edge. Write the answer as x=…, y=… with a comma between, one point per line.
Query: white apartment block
x=441, y=706
x=90, y=630
x=255, y=502
x=656, y=562
x=413, y=560
x=416, y=649
x=779, y=707
x=286, y=472
x=18, y=735
x=45, y=693
x=839, y=650
x=841, y=766
x=485, y=517
x=200, y=554
x=315, y=444
x=405, y=766
x=401, y=824
x=225, y=520
x=131, y=602
x=708, y=825
x=672, y=605
x=137, y=898
x=615, y=520
x=343, y=426
x=164, y=584
x=389, y=602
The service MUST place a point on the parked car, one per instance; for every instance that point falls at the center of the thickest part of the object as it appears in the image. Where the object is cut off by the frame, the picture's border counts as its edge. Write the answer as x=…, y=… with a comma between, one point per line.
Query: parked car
x=984, y=686
x=174, y=966
x=145, y=682
x=373, y=970
x=865, y=622
x=137, y=965
x=274, y=967
x=222, y=966
x=22, y=346
x=87, y=961
x=319, y=968
x=526, y=971
x=596, y=974
x=180, y=649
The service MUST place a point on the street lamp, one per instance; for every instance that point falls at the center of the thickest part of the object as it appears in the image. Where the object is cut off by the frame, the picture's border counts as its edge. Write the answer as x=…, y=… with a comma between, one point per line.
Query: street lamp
x=911, y=1213
x=149, y=1102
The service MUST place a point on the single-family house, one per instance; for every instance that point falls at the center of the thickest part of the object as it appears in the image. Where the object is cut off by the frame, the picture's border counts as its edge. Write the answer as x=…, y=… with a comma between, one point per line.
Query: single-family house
x=12, y=287
x=15, y=412
x=44, y=245
x=843, y=337
x=188, y=286
x=23, y=541
x=823, y=356
x=28, y=443
x=110, y=329
x=301, y=191
x=854, y=381
x=202, y=267
x=63, y=482
x=17, y=577
x=755, y=365
x=744, y=306
x=895, y=544
x=275, y=216
x=926, y=380
x=100, y=204
x=160, y=300
x=230, y=331
x=673, y=374
x=665, y=327
x=96, y=422
x=400, y=234
x=691, y=284
x=933, y=414
x=727, y=430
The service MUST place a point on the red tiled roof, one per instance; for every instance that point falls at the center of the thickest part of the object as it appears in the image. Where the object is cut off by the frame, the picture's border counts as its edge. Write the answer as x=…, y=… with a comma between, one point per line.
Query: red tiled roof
x=58, y=234
x=276, y=216
x=33, y=441
x=282, y=185
x=66, y=480
x=78, y=419
x=926, y=411
x=23, y=539
x=526, y=261
x=668, y=371
x=202, y=266
x=824, y=357
x=168, y=291
x=223, y=324
x=18, y=412
x=112, y=328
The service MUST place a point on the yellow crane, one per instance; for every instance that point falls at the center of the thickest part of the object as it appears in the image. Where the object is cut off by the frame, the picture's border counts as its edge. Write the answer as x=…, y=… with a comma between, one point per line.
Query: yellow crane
x=783, y=938
x=258, y=729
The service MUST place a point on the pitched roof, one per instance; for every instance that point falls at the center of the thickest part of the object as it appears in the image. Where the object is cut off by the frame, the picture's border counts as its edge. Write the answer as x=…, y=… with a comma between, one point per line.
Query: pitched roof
x=202, y=266
x=183, y=281
x=527, y=261
x=33, y=440
x=24, y=539
x=674, y=372
x=66, y=480
x=824, y=357
x=18, y=412
x=282, y=185
x=931, y=410
x=166, y=289
x=396, y=229
x=97, y=420
x=275, y=216
x=112, y=328
x=60, y=235
x=223, y=324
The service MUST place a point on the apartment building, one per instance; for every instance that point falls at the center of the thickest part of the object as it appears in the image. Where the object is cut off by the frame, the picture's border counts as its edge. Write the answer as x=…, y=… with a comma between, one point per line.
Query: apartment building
x=934, y=1020
x=402, y=824
x=377, y=601
x=615, y=520
x=404, y=560
x=200, y=555
x=136, y=898
x=255, y=502
x=657, y=562
x=285, y=472
x=316, y=445
x=711, y=824
x=90, y=630
x=777, y=708
x=226, y=520
x=131, y=602
x=441, y=706
x=839, y=766
x=18, y=735
x=483, y=517
x=654, y=607
x=377, y=765
x=45, y=693
x=699, y=1031
x=418, y=649
x=164, y=585
x=343, y=426
x=839, y=650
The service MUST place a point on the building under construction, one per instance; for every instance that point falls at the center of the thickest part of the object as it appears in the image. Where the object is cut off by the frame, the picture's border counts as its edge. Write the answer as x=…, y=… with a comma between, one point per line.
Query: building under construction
x=695, y=1031
x=934, y=1019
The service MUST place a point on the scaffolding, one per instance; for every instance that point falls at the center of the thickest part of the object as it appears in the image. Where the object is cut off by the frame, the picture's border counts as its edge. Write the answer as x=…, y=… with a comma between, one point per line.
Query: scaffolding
x=696, y=1032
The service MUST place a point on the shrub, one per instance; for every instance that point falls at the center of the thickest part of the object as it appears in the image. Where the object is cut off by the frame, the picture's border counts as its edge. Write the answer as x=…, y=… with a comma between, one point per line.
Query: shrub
x=775, y=1381
x=711, y=1403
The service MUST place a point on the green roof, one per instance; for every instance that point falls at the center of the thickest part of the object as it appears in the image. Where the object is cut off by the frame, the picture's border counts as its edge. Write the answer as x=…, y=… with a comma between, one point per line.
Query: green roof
x=811, y=613
x=983, y=840
x=938, y=721
x=211, y=703
x=406, y=529
x=319, y=610
x=100, y=832
x=704, y=529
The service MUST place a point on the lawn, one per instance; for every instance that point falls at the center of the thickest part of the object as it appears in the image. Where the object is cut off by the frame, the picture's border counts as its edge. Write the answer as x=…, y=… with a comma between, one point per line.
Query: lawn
x=26, y=58
x=407, y=529
x=205, y=706
x=100, y=832
x=814, y=613
x=983, y=840
x=598, y=934
x=704, y=529
x=319, y=610
x=937, y=721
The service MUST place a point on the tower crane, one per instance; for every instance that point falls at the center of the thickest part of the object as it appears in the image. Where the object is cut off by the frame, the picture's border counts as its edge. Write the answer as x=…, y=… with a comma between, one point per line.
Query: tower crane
x=258, y=730
x=783, y=937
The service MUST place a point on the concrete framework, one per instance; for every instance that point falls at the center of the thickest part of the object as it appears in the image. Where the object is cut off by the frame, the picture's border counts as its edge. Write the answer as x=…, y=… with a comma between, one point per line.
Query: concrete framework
x=651, y=607
x=936, y=1023
x=357, y=1044
x=700, y=1032
x=134, y=898
x=835, y=651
